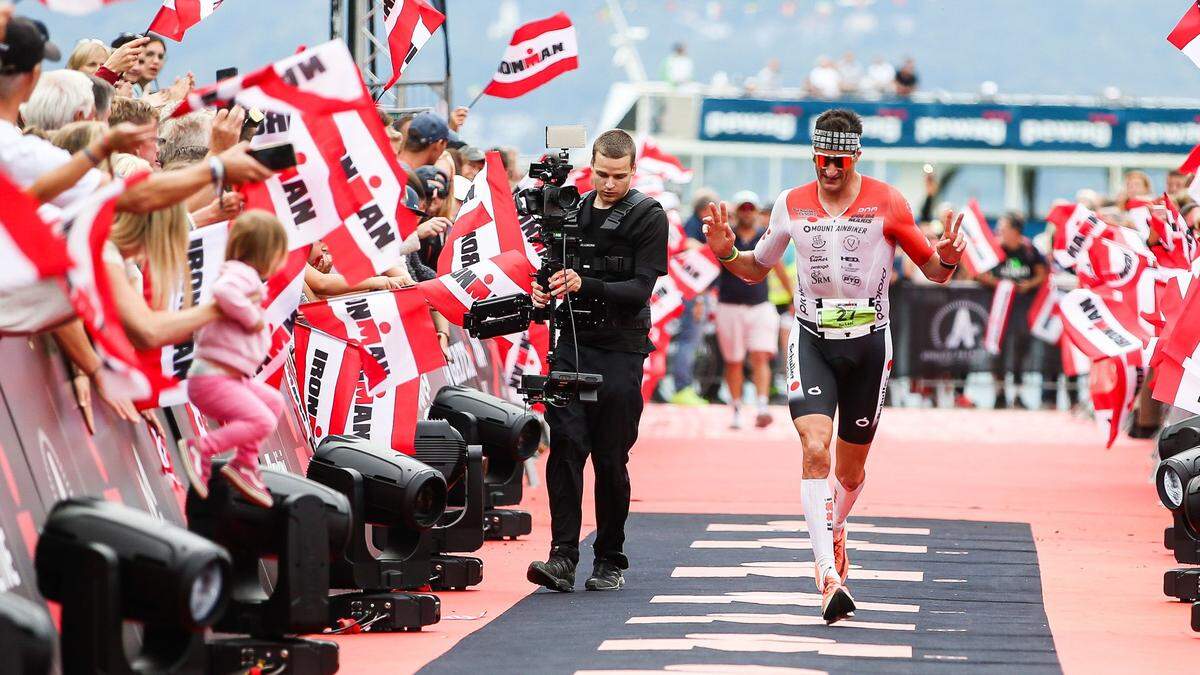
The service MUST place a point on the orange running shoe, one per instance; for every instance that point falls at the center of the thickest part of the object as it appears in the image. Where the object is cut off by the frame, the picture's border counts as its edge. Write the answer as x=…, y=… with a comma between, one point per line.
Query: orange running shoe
x=840, y=561
x=836, y=601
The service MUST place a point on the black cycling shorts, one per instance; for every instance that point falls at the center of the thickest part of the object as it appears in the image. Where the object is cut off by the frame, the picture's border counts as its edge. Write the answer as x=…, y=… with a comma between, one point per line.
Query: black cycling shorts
x=849, y=376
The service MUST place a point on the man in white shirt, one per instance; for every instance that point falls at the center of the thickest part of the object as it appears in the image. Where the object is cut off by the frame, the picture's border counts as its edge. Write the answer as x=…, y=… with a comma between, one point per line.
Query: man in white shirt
x=824, y=80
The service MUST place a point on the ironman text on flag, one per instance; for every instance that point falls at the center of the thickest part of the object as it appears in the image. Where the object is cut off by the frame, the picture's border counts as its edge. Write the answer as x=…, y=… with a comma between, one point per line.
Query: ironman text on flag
x=539, y=52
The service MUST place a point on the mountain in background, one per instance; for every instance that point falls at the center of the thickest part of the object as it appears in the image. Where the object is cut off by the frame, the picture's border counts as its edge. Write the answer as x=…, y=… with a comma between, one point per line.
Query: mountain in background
x=1025, y=46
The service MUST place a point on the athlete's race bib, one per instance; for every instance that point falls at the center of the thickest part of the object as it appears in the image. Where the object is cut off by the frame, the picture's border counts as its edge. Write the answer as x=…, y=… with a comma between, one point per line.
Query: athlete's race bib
x=843, y=315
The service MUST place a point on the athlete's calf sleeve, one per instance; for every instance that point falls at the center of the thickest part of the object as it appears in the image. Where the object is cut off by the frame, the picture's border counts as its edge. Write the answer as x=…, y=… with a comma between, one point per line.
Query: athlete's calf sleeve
x=818, y=516
x=843, y=499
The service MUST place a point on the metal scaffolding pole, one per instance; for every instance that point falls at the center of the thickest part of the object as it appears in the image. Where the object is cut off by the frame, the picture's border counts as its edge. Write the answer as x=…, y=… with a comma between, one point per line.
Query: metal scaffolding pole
x=361, y=24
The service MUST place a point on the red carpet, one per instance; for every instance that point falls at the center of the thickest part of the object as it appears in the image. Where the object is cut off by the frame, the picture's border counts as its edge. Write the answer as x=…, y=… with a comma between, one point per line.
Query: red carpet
x=1094, y=517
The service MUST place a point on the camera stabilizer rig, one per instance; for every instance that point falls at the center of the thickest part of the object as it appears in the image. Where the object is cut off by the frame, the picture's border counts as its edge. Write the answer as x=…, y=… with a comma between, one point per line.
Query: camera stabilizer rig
x=554, y=207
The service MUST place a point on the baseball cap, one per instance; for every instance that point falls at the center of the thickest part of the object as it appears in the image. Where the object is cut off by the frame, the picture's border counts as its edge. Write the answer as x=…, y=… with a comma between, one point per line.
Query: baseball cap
x=428, y=128
x=745, y=197
x=26, y=44
x=433, y=178
x=470, y=153
x=412, y=201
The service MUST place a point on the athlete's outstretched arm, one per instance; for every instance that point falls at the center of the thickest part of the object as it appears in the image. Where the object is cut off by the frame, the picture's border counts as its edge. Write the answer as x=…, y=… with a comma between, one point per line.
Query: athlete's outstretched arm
x=720, y=239
x=947, y=252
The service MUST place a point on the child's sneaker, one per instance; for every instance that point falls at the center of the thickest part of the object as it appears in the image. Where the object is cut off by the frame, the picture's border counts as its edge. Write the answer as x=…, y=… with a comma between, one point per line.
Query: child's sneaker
x=247, y=480
x=196, y=465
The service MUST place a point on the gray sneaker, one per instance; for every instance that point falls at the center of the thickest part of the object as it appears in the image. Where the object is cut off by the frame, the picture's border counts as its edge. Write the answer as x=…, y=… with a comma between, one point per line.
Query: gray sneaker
x=605, y=577
x=557, y=574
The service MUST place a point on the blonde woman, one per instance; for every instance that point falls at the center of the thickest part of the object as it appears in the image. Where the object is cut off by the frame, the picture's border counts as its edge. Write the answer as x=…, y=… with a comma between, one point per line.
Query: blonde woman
x=152, y=248
x=88, y=56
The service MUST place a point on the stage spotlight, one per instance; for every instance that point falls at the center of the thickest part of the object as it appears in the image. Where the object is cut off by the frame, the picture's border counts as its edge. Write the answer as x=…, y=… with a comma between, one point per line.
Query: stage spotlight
x=26, y=636
x=1178, y=437
x=105, y=562
x=400, y=499
x=1173, y=475
x=509, y=436
x=305, y=529
x=461, y=528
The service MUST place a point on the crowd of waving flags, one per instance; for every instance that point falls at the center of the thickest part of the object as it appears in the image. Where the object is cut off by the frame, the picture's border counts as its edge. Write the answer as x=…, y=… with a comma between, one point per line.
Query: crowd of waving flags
x=355, y=362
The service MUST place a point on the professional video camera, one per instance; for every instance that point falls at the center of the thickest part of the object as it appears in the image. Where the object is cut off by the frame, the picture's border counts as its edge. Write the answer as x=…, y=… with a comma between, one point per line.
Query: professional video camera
x=554, y=208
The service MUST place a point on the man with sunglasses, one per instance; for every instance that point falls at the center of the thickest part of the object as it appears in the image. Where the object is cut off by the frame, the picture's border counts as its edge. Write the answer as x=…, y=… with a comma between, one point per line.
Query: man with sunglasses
x=846, y=227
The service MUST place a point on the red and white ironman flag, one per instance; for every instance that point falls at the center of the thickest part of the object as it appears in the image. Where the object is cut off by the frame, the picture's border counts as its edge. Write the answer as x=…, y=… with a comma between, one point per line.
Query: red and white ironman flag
x=387, y=418
x=1044, y=322
x=31, y=250
x=454, y=294
x=1075, y=227
x=1186, y=36
x=983, y=252
x=1113, y=383
x=76, y=6
x=409, y=24
x=321, y=79
x=653, y=160
x=393, y=326
x=1099, y=328
x=694, y=270
x=487, y=224
x=539, y=52
x=175, y=17
x=327, y=370
x=205, y=253
x=1002, y=300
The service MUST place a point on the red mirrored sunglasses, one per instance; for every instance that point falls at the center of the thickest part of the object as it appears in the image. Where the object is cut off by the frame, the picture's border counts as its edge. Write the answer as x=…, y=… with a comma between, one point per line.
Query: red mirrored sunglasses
x=836, y=161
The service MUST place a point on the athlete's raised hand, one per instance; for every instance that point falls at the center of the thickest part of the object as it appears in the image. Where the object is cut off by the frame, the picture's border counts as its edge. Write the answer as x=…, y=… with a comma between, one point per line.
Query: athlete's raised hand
x=717, y=231
x=951, y=245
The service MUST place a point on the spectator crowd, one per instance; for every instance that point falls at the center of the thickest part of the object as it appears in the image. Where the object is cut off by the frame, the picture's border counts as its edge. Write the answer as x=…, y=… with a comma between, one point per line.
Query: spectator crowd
x=829, y=78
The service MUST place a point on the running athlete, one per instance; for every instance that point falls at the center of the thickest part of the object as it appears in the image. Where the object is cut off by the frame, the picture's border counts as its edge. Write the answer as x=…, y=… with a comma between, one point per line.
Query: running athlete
x=846, y=227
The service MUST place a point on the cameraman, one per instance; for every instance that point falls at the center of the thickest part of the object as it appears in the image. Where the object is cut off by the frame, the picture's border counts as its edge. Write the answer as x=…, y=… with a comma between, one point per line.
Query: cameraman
x=629, y=231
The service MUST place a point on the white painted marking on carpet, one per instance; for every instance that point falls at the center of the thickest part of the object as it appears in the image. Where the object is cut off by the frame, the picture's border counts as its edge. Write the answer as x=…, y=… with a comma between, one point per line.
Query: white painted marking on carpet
x=779, y=599
x=945, y=611
x=949, y=581
x=940, y=657
x=788, y=570
x=803, y=544
x=799, y=526
x=952, y=552
x=770, y=619
x=759, y=642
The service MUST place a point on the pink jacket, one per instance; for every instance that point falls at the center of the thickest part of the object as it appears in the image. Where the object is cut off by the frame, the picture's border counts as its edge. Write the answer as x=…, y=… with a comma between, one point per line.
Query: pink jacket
x=233, y=340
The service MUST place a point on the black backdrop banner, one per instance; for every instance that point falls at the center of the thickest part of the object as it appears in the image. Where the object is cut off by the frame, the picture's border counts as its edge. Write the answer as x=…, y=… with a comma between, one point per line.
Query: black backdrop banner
x=938, y=330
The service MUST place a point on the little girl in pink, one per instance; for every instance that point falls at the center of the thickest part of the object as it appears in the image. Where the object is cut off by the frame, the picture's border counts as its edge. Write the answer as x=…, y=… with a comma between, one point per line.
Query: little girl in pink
x=228, y=353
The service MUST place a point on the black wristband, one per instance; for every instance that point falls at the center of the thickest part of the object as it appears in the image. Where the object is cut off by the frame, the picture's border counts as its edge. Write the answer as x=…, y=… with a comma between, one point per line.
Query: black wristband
x=949, y=267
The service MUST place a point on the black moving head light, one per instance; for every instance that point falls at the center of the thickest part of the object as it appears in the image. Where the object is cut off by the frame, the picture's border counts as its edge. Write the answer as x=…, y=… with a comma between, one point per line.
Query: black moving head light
x=509, y=435
x=306, y=528
x=26, y=636
x=105, y=562
x=400, y=499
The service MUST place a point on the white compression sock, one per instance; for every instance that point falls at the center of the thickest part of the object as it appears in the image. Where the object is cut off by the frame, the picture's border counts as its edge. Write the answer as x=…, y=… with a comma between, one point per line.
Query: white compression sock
x=818, y=516
x=843, y=500
x=762, y=404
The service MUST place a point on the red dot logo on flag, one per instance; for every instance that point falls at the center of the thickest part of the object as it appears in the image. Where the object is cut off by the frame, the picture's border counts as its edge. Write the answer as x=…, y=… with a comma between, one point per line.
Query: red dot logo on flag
x=488, y=278
x=317, y=431
x=375, y=182
x=385, y=327
x=794, y=386
x=301, y=158
x=812, y=219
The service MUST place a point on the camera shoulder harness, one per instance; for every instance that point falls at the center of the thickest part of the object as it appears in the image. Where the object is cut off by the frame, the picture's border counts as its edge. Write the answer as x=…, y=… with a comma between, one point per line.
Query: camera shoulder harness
x=628, y=204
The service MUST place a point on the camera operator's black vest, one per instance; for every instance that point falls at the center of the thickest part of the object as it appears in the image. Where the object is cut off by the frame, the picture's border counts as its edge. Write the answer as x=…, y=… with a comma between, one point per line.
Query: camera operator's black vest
x=614, y=255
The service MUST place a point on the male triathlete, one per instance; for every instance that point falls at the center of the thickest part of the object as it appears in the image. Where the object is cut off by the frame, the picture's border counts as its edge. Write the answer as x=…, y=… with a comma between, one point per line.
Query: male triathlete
x=846, y=227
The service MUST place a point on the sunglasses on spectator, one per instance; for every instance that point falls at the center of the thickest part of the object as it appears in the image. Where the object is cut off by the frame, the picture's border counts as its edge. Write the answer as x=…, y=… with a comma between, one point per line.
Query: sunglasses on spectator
x=836, y=161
